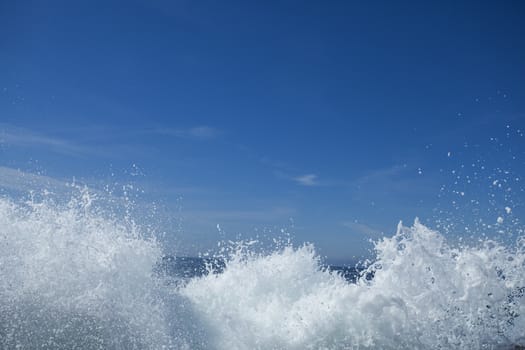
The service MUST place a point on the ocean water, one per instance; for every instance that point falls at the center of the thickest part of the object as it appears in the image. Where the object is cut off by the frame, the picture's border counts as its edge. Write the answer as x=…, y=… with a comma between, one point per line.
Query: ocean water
x=76, y=277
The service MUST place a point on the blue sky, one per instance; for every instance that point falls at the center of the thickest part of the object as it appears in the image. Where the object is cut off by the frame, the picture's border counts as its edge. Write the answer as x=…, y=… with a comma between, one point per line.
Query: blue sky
x=331, y=120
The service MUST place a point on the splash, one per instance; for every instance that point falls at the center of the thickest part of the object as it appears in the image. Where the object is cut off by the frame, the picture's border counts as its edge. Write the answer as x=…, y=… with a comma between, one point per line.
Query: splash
x=425, y=294
x=74, y=279
x=74, y=276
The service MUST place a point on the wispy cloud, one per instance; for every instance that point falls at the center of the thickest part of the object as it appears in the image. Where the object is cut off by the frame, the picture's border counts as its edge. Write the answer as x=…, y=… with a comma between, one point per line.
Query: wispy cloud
x=385, y=175
x=21, y=181
x=269, y=214
x=96, y=140
x=401, y=180
x=18, y=182
x=14, y=136
x=361, y=228
x=307, y=180
x=202, y=132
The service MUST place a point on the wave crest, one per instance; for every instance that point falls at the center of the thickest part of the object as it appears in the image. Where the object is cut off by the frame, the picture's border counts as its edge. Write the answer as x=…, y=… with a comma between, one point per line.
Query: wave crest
x=424, y=294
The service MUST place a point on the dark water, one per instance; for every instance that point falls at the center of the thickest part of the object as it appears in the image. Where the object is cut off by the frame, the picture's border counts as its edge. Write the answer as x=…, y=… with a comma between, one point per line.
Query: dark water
x=185, y=268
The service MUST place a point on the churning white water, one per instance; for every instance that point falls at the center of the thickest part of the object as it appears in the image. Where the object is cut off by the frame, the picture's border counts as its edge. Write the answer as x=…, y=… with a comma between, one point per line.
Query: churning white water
x=72, y=277
x=424, y=295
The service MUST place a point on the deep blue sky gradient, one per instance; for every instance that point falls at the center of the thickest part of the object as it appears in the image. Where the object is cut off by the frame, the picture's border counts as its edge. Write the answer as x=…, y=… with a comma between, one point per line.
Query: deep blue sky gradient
x=332, y=120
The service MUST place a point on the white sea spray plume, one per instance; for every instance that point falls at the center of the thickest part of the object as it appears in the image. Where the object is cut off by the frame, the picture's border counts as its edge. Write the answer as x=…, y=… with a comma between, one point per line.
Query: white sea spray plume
x=425, y=294
x=73, y=278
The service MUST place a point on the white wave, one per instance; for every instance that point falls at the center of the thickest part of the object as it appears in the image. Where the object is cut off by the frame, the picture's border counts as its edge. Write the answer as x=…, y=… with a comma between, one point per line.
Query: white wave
x=424, y=295
x=73, y=277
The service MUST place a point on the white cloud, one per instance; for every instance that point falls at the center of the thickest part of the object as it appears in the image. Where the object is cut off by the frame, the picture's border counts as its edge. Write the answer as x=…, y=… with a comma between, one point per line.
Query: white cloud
x=307, y=180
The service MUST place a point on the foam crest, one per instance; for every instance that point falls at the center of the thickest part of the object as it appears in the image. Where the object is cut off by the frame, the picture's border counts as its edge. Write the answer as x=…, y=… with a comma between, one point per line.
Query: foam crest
x=424, y=294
